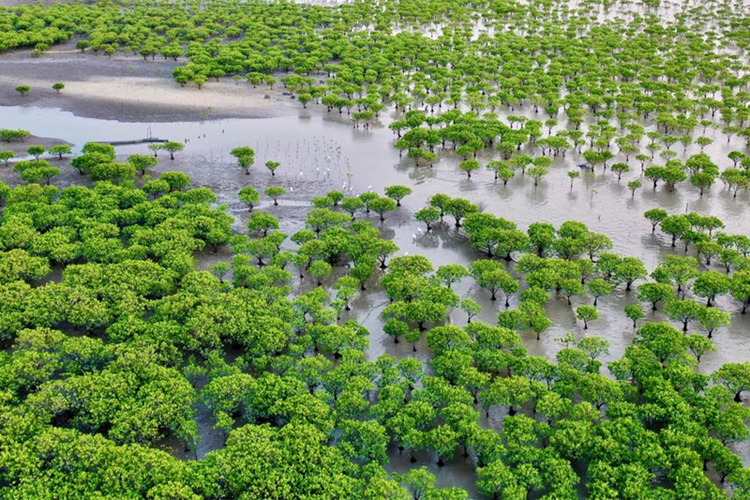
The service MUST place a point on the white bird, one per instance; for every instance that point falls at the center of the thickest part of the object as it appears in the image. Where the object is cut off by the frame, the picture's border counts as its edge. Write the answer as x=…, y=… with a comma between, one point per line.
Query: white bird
x=406, y=253
x=369, y=187
x=419, y=229
x=291, y=189
x=300, y=173
x=343, y=185
x=413, y=236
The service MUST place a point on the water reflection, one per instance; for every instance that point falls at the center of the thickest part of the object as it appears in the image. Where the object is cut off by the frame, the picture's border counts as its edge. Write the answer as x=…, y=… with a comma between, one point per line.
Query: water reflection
x=320, y=151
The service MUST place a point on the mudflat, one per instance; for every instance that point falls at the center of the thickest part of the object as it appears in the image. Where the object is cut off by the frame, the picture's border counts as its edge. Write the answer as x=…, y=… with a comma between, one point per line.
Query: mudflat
x=128, y=88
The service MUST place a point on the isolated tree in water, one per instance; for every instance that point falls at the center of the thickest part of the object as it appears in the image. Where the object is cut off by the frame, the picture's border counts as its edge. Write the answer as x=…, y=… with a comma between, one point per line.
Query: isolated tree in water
x=397, y=193
x=245, y=157
x=272, y=166
x=428, y=215
x=249, y=196
x=172, y=147
x=275, y=192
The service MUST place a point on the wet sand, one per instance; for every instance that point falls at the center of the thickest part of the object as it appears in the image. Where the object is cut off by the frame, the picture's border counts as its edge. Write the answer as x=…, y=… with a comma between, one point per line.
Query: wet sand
x=128, y=88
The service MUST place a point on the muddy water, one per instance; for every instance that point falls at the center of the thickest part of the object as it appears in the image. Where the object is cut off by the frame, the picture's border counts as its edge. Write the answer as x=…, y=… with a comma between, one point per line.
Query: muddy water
x=320, y=151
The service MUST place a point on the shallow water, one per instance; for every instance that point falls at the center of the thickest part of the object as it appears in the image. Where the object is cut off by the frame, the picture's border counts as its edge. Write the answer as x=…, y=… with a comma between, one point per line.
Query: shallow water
x=319, y=151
